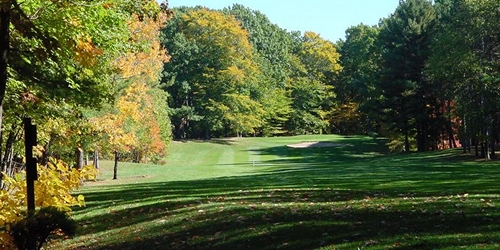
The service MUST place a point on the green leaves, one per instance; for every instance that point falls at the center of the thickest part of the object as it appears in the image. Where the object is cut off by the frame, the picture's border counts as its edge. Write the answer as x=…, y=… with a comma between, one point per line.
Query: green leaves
x=211, y=73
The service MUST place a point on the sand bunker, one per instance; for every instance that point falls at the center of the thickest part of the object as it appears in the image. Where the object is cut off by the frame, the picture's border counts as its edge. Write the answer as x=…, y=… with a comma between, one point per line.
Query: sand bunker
x=316, y=144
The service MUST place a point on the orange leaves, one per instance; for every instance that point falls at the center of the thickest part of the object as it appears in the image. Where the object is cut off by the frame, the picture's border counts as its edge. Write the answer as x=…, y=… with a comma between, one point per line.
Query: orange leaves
x=134, y=125
x=107, y=5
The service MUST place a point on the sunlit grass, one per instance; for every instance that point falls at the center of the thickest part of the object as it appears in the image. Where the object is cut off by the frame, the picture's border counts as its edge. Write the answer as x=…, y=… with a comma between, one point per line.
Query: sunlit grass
x=257, y=193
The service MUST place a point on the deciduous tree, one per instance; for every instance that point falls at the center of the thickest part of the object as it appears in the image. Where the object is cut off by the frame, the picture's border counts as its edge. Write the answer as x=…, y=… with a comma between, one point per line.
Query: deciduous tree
x=211, y=67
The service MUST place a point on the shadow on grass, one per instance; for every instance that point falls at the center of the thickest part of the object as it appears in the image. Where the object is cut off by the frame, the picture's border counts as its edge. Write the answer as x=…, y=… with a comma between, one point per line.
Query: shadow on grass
x=210, y=215
x=341, y=197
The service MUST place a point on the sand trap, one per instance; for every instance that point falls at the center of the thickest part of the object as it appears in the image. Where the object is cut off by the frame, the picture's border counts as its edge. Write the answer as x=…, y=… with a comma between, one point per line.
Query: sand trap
x=316, y=144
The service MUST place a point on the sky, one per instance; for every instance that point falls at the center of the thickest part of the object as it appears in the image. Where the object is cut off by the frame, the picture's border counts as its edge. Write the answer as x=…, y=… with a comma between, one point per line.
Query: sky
x=329, y=18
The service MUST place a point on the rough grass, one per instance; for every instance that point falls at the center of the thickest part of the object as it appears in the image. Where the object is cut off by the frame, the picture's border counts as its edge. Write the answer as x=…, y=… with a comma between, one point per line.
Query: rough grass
x=256, y=193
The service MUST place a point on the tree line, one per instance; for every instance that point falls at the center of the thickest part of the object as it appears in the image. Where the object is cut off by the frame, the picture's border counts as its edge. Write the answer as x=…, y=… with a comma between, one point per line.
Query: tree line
x=234, y=73
x=426, y=76
x=125, y=77
x=429, y=74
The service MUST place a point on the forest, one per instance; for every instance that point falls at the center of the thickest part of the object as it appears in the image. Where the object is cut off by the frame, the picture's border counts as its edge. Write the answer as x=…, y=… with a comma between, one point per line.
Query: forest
x=128, y=77
x=122, y=79
x=427, y=76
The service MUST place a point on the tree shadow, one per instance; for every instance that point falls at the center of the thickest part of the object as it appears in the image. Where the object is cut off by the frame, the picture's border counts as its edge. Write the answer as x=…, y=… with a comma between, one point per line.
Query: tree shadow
x=346, y=197
x=228, y=213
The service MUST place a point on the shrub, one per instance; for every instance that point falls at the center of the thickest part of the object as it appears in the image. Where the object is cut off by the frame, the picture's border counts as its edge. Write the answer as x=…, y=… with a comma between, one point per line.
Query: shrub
x=31, y=232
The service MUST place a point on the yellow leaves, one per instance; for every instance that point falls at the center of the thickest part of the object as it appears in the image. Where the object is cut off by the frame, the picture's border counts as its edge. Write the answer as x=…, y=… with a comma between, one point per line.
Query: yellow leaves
x=74, y=22
x=81, y=200
x=319, y=54
x=134, y=125
x=235, y=73
x=218, y=33
x=86, y=52
x=55, y=183
x=147, y=57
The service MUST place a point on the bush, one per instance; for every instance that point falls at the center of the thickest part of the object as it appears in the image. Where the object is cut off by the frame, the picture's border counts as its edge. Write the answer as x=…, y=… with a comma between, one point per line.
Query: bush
x=32, y=232
x=54, y=187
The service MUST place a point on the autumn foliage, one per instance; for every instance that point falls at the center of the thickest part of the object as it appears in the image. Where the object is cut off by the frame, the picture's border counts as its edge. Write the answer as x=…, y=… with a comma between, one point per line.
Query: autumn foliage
x=54, y=188
x=137, y=124
x=67, y=61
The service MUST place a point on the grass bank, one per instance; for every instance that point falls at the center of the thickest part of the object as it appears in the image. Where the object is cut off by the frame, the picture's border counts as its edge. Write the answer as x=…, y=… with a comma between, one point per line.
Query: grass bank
x=257, y=193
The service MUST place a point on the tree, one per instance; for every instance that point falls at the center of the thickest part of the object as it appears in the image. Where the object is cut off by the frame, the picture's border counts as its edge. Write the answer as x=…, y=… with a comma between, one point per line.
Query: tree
x=272, y=43
x=52, y=56
x=465, y=60
x=137, y=126
x=272, y=47
x=211, y=72
x=132, y=128
x=356, y=89
x=316, y=67
x=407, y=100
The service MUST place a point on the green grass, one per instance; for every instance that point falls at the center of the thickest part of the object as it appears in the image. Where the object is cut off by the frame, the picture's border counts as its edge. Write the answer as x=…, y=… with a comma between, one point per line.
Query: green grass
x=256, y=193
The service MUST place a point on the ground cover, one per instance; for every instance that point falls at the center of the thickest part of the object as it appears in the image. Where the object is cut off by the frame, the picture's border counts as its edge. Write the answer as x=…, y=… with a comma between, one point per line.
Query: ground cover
x=259, y=193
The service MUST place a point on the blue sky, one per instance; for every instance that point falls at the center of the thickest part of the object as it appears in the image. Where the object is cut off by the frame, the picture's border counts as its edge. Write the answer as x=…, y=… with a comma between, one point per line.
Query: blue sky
x=329, y=18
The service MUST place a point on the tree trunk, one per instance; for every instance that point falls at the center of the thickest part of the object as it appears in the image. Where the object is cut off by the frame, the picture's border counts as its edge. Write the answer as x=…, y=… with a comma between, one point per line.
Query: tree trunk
x=96, y=159
x=476, y=146
x=451, y=136
x=421, y=139
x=407, y=142
x=79, y=158
x=5, y=9
x=492, y=139
x=115, y=168
x=47, y=151
x=9, y=151
x=4, y=55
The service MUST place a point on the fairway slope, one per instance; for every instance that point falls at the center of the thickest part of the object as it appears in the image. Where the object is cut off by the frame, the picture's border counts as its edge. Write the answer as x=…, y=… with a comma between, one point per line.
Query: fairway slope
x=258, y=193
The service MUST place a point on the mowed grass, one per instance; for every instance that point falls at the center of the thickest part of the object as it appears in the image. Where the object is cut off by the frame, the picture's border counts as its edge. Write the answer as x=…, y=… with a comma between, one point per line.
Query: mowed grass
x=257, y=193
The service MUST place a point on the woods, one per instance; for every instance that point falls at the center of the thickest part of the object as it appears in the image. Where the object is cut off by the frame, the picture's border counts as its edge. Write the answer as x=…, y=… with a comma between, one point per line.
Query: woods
x=425, y=76
x=248, y=78
x=122, y=75
x=66, y=65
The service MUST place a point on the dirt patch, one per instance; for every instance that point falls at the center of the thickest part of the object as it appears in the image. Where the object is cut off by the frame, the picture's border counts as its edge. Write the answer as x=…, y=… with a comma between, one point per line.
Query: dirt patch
x=316, y=144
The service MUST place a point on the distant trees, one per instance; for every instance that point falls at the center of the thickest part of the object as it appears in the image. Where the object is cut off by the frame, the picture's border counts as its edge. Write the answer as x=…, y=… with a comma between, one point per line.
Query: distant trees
x=233, y=72
x=311, y=84
x=425, y=74
x=212, y=75
x=465, y=60
x=421, y=76
x=356, y=87
x=272, y=51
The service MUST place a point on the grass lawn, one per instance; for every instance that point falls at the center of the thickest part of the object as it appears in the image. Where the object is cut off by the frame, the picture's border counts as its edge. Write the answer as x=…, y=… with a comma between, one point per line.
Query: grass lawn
x=257, y=193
